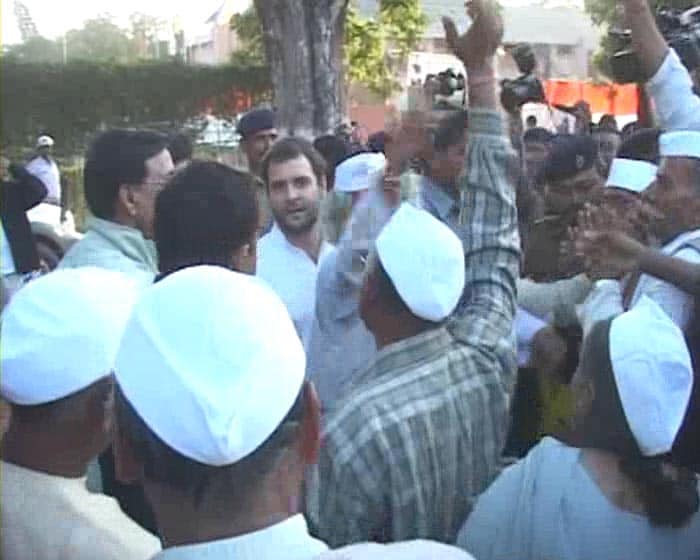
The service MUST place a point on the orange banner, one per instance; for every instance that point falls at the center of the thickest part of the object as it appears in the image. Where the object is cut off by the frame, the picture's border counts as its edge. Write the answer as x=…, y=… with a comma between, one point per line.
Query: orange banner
x=615, y=99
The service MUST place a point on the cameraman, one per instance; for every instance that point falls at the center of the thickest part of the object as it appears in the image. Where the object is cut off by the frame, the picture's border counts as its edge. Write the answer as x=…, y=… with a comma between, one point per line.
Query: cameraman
x=670, y=85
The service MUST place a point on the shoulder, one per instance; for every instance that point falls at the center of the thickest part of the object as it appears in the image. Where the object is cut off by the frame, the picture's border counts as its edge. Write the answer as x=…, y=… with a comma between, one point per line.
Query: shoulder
x=118, y=536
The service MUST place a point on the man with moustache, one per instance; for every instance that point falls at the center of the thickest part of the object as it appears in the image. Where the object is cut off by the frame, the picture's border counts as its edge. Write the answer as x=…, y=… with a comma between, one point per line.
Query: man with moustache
x=289, y=256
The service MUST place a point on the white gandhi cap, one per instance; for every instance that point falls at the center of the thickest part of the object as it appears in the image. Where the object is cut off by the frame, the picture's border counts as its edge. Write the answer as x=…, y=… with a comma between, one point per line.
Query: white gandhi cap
x=680, y=143
x=211, y=362
x=654, y=376
x=355, y=173
x=44, y=141
x=631, y=174
x=60, y=333
x=425, y=261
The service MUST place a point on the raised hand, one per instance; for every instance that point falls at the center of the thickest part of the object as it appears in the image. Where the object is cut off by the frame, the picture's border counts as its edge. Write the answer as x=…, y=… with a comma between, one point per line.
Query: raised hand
x=477, y=46
x=606, y=250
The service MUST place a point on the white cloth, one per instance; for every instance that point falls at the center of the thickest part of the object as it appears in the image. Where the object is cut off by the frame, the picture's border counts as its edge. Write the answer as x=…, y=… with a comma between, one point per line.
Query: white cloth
x=632, y=175
x=219, y=347
x=680, y=143
x=7, y=261
x=671, y=90
x=48, y=517
x=527, y=326
x=60, y=333
x=425, y=261
x=407, y=550
x=605, y=300
x=47, y=171
x=288, y=540
x=548, y=506
x=292, y=275
x=654, y=381
x=357, y=173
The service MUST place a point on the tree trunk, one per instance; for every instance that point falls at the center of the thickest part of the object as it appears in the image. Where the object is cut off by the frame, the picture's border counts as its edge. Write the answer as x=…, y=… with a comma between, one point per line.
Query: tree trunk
x=304, y=47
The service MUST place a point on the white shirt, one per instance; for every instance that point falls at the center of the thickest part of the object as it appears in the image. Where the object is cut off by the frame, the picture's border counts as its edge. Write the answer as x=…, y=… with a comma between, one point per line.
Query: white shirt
x=47, y=170
x=292, y=275
x=47, y=517
x=605, y=301
x=547, y=506
x=407, y=550
x=7, y=261
x=288, y=540
x=671, y=90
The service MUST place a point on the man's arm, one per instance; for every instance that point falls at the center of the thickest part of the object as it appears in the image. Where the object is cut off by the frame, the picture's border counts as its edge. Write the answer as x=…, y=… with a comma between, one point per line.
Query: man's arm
x=488, y=214
x=670, y=85
x=541, y=299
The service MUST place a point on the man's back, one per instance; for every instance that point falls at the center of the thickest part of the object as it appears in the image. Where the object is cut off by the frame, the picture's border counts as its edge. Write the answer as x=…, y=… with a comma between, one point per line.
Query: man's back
x=414, y=442
x=48, y=517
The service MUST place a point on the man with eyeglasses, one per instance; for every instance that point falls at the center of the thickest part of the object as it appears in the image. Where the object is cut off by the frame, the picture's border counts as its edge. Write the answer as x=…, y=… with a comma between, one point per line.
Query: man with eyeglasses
x=124, y=172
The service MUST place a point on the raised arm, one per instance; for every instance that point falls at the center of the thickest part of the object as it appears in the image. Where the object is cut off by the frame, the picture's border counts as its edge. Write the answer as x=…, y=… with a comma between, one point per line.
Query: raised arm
x=488, y=217
x=670, y=85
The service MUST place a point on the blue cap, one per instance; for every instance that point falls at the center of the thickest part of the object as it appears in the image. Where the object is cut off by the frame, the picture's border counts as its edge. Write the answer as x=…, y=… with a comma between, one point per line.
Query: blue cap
x=255, y=121
x=570, y=154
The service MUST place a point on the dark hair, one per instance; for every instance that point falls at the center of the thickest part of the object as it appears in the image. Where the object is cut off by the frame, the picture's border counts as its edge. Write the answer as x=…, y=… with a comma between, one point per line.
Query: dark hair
x=180, y=147
x=604, y=129
x=451, y=130
x=117, y=157
x=233, y=484
x=608, y=122
x=377, y=142
x=334, y=150
x=642, y=145
x=291, y=148
x=668, y=501
x=538, y=134
x=206, y=212
x=67, y=407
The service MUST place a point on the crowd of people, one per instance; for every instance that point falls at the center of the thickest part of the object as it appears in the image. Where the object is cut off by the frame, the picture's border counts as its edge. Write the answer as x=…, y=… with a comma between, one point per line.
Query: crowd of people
x=452, y=339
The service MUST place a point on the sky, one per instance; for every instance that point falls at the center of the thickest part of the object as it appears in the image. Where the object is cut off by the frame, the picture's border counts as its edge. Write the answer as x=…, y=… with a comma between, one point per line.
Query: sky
x=54, y=17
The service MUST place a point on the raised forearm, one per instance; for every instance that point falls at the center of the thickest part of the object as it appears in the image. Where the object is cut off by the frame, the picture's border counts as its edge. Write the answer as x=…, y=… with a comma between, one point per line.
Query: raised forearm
x=646, y=37
x=678, y=272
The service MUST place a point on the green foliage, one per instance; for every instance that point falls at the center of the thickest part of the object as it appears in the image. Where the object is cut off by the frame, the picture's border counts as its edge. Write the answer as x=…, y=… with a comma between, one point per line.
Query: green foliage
x=604, y=12
x=35, y=49
x=609, y=13
x=73, y=101
x=99, y=40
x=249, y=30
x=372, y=46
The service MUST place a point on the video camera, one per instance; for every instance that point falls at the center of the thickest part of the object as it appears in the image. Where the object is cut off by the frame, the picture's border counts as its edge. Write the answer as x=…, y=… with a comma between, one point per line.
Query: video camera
x=680, y=29
x=527, y=88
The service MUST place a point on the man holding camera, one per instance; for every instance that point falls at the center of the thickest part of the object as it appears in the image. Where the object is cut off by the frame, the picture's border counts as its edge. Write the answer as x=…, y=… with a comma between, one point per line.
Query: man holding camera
x=669, y=82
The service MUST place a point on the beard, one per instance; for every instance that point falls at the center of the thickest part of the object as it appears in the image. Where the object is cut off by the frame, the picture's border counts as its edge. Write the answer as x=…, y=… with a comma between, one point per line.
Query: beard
x=299, y=219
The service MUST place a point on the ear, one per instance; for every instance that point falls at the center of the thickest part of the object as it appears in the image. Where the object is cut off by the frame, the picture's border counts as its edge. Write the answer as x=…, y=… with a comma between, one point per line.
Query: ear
x=311, y=425
x=322, y=184
x=126, y=200
x=245, y=259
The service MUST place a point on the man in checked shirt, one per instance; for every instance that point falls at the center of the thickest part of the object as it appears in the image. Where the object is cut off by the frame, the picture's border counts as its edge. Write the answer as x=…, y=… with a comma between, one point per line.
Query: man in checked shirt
x=421, y=431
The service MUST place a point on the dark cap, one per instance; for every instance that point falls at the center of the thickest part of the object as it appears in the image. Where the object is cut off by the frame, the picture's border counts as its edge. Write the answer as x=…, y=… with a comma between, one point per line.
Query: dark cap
x=538, y=134
x=570, y=154
x=254, y=121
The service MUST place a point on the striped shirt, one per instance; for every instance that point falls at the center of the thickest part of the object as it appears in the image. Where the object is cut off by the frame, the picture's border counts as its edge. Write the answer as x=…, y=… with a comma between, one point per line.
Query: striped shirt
x=421, y=432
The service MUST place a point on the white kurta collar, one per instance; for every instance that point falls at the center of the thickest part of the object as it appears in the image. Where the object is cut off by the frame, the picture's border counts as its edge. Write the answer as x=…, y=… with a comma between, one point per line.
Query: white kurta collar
x=679, y=241
x=289, y=539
